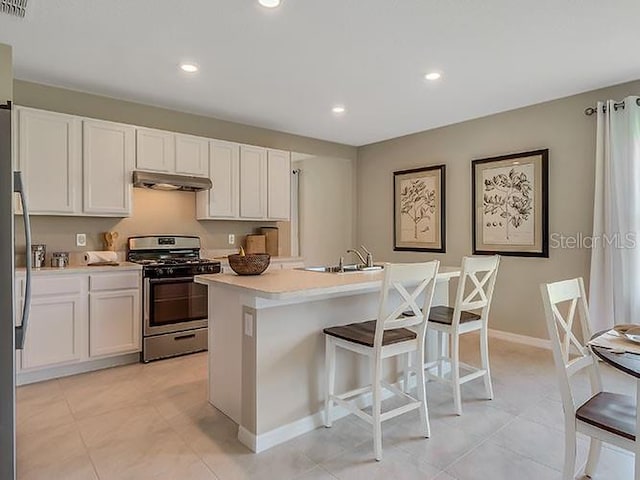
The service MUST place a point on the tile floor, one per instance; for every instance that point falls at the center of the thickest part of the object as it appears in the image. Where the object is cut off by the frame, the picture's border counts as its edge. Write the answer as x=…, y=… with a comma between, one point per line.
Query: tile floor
x=152, y=422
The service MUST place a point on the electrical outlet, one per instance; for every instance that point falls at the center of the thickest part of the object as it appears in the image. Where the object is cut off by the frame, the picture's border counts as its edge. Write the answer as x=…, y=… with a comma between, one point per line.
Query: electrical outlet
x=81, y=239
x=232, y=239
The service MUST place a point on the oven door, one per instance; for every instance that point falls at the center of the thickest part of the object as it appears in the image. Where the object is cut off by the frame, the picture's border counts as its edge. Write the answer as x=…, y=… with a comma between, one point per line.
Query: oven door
x=174, y=305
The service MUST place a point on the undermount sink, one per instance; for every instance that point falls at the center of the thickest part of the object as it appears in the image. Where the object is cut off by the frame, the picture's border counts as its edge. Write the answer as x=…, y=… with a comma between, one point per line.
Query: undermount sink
x=343, y=269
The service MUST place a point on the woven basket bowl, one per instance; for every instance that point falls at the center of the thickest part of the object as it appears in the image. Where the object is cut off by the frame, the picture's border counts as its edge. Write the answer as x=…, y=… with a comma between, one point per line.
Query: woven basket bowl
x=250, y=264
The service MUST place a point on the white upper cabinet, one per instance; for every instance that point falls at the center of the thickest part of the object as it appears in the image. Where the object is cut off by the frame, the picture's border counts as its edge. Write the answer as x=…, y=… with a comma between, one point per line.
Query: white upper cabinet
x=253, y=182
x=223, y=200
x=192, y=155
x=49, y=155
x=108, y=160
x=155, y=150
x=279, y=182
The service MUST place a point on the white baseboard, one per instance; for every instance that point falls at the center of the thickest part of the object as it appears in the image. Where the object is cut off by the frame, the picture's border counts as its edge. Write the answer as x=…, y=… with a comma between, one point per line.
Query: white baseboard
x=26, y=377
x=264, y=441
x=521, y=339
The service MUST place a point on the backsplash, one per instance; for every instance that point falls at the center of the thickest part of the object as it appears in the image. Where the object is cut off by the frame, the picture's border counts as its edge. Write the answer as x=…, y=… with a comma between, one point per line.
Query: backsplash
x=154, y=212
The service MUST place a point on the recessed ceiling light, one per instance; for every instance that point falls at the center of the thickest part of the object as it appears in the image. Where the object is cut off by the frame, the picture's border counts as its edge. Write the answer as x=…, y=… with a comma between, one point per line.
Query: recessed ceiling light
x=189, y=67
x=339, y=109
x=432, y=76
x=269, y=3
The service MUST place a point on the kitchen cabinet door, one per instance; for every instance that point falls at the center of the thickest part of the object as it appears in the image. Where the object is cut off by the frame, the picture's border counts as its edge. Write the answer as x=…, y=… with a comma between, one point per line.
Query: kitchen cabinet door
x=155, y=150
x=223, y=200
x=192, y=155
x=114, y=322
x=55, y=334
x=279, y=185
x=49, y=155
x=253, y=182
x=108, y=160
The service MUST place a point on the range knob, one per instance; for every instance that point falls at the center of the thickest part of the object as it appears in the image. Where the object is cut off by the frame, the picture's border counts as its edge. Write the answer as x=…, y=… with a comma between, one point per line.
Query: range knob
x=169, y=271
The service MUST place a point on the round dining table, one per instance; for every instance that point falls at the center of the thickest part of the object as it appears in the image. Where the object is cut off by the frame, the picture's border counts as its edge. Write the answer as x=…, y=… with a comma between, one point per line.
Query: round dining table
x=628, y=363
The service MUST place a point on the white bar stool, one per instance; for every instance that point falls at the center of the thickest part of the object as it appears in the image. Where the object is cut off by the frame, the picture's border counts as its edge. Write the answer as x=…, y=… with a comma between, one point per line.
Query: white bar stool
x=386, y=337
x=478, y=273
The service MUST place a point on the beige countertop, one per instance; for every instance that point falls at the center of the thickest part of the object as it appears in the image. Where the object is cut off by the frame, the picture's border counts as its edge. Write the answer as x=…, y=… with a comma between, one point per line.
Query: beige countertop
x=291, y=284
x=123, y=266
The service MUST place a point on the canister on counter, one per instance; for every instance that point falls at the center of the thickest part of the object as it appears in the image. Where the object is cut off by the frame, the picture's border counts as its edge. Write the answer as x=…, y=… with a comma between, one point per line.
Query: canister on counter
x=60, y=259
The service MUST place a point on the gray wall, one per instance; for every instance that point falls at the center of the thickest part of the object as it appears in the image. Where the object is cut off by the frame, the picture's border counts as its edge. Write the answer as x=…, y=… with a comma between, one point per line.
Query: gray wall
x=560, y=126
x=6, y=73
x=166, y=212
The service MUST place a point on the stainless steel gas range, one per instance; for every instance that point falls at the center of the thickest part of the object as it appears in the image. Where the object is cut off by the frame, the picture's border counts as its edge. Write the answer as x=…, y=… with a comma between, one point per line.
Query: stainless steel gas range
x=175, y=308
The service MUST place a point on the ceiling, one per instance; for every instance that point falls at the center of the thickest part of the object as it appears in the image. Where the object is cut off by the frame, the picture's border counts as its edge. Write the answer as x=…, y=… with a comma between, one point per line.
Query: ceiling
x=286, y=68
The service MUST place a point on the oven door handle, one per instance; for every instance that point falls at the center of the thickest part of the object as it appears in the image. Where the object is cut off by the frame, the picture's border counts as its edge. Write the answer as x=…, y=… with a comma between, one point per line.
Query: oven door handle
x=169, y=280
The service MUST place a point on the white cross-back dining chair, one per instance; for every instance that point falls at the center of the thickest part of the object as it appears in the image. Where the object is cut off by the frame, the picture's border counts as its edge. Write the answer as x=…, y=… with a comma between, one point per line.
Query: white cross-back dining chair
x=605, y=417
x=391, y=334
x=474, y=294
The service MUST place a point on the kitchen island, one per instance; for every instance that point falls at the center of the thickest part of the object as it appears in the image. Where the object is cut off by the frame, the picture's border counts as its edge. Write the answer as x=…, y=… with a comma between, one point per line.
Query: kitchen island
x=266, y=346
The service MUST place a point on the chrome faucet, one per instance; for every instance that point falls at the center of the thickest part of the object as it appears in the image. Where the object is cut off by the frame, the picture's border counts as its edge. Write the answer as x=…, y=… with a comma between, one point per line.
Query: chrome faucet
x=369, y=261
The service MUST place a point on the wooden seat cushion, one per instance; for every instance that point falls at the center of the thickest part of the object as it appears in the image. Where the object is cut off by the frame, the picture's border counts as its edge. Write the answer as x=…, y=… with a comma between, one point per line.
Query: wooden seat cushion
x=612, y=412
x=443, y=314
x=363, y=333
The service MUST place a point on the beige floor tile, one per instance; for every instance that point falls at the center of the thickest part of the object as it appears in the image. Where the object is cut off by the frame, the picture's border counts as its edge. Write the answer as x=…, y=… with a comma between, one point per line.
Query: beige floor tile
x=316, y=473
x=91, y=399
x=177, y=399
x=323, y=443
x=396, y=464
x=56, y=453
x=38, y=394
x=444, y=447
x=496, y=463
x=538, y=442
x=121, y=425
x=34, y=416
x=204, y=428
x=149, y=456
x=231, y=460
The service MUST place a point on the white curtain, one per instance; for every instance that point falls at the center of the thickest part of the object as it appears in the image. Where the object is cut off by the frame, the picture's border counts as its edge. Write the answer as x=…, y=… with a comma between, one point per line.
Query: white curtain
x=614, y=292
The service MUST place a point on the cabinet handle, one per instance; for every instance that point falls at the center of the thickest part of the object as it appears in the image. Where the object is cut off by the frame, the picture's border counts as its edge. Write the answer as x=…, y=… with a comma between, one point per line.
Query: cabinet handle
x=185, y=337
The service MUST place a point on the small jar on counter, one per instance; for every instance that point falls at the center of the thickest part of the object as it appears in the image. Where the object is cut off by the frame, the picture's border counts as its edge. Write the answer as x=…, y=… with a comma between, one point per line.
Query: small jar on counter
x=60, y=259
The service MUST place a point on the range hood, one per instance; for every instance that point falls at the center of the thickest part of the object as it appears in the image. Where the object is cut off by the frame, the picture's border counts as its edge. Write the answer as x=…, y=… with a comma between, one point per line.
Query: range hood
x=168, y=181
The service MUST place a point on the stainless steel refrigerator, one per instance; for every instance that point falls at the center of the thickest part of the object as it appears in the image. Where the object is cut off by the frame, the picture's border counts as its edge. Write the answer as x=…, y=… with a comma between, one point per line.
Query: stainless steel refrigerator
x=12, y=337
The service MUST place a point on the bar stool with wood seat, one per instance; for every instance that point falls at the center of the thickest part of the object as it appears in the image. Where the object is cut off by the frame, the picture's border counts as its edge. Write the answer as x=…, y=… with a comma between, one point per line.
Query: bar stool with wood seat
x=478, y=273
x=387, y=336
x=605, y=417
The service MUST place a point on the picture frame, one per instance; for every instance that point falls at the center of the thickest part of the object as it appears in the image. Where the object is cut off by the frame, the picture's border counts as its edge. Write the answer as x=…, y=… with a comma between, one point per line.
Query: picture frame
x=419, y=209
x=510, y=204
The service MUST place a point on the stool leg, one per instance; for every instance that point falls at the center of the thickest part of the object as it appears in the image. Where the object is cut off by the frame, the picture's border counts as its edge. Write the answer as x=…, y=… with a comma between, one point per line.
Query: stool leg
x=422, y=392
x=455, y=372
x=484, y=354
x=569, y=470
x=440, y=354
x=376, y=375
x=330, y=378
x=595, y=446
x=407, y=372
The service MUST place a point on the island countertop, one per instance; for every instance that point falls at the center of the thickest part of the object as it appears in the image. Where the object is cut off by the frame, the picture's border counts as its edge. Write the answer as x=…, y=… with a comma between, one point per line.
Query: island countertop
x=291, y=284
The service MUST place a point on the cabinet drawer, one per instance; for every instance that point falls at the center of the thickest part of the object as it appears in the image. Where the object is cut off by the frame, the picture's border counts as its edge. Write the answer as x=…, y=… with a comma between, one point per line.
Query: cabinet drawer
x=54, y=285
x=114, y=281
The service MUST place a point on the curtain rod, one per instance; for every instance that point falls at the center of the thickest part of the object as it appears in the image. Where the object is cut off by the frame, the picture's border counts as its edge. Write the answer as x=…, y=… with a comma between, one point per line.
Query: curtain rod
x=591, y=110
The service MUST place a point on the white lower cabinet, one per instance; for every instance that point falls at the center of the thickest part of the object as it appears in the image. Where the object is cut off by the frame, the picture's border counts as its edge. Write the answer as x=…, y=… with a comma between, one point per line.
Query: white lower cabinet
x=57, y=326
x=55, y=332
x=77, y=318
x=114, y=322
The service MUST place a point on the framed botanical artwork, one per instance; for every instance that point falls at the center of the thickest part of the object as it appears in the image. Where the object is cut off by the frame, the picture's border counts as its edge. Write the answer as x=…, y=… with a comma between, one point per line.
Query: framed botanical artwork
x=510, y=204
x=419, y=209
